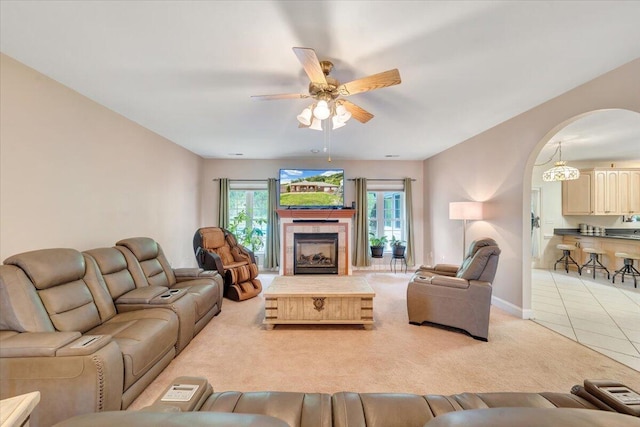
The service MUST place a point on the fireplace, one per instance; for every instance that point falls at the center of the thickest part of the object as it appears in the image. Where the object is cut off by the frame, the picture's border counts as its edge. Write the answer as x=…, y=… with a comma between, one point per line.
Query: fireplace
x=315, y=221
x=315, y=253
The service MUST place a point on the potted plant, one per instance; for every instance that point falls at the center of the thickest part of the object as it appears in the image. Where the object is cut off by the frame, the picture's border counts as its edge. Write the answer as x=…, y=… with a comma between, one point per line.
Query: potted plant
x=398, y=247
x=377, y=245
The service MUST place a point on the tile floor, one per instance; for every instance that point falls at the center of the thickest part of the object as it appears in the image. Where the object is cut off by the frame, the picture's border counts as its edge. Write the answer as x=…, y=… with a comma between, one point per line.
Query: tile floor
x=593, y=312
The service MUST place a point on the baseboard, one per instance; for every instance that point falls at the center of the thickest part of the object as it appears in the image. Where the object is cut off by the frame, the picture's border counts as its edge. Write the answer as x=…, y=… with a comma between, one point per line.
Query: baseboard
x=511, y=308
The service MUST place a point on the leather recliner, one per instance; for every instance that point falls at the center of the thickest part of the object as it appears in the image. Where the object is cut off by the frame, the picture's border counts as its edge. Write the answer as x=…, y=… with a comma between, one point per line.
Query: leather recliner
x=583, y=407
x=149, y=266
x=60, y=334
x=456, y=296
x=129, y=295
x=217, y=249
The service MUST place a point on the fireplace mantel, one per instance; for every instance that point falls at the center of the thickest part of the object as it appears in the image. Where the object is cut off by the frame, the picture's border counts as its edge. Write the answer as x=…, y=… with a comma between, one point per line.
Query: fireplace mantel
x=315, y=221
x=318, y=214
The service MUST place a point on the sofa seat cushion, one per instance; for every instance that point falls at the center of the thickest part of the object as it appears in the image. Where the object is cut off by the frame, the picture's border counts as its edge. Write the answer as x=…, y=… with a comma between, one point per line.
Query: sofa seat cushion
x=296, y=409
x=380, y=409
x=205, y=292
x=533, y=417
x=144, y=338
x=171, y=419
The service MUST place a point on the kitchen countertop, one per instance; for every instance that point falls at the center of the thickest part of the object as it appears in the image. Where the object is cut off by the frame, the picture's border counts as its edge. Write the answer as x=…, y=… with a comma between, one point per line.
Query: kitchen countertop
x=612, y=233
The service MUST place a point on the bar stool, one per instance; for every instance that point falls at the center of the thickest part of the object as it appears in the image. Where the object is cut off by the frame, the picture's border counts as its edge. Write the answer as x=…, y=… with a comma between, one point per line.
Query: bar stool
x=566, y=257
x=628, y=267
x=594, y=261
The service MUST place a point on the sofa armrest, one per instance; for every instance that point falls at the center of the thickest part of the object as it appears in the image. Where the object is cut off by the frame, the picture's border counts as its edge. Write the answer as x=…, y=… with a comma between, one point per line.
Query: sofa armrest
x=52, y=344
x=444, y=281
x=36, y=344
x=450, y=282
x=85, y=345
x=68, y=383
x=143, y=295
x=186, y=274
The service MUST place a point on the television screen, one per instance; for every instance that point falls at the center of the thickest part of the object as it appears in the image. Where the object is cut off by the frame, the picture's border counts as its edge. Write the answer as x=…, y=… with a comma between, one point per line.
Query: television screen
x=311, y=188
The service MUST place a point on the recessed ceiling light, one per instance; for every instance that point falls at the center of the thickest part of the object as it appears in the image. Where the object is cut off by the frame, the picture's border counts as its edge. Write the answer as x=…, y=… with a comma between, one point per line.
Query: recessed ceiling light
x=391, y=155
x=236, y=154
x=315, y=151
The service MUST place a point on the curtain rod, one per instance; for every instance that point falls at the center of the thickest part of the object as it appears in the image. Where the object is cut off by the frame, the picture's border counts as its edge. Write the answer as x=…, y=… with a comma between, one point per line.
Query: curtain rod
x=382, y=179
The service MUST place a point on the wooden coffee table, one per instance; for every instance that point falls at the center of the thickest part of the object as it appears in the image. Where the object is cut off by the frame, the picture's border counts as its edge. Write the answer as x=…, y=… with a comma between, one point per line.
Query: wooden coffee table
x=318, y=300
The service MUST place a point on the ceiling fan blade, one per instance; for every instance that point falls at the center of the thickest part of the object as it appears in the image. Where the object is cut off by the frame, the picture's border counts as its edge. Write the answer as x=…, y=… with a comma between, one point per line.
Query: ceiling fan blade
x=358, y=113
x=280, y=96
x=311, y=64
x=376, y=81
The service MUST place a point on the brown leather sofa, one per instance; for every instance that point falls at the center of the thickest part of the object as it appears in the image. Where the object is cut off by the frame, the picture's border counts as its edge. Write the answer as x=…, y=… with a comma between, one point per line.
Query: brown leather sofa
x=456, y=296
x=148, y=265
x=91, y=342
x=349, y=409
x=217, y=249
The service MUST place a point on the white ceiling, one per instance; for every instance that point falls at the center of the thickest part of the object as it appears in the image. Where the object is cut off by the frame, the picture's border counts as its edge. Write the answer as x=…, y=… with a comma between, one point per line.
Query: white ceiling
x=187, y=69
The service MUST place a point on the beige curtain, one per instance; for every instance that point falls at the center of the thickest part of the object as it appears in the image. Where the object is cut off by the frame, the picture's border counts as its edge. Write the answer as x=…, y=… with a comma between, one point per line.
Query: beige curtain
x=408, y=204
x=223, y=204
x=361, y=257
x=272, y=245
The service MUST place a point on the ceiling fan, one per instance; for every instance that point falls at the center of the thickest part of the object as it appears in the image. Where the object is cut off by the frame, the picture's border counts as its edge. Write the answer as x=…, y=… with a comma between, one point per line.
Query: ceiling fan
x=327, y=91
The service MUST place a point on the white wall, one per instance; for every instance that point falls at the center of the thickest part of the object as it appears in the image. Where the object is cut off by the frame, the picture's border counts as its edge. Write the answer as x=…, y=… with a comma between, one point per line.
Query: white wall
x=496, y=166
x=263, y=169
x=75, y=174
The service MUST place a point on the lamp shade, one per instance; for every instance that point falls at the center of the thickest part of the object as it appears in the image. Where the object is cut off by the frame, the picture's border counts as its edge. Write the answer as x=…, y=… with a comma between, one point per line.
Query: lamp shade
x=322, y=110
x=305, y=116
x=465, y=210
x=336, y=122
x=316, y=124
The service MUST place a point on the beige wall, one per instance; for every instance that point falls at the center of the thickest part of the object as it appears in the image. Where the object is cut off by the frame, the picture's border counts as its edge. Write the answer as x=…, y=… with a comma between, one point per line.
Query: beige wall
x=496, y=166
x=75, y=174
x=263, y=169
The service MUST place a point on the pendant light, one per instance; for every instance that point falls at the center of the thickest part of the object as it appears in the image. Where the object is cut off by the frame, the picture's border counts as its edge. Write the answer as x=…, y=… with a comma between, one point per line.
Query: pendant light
x=560, y=171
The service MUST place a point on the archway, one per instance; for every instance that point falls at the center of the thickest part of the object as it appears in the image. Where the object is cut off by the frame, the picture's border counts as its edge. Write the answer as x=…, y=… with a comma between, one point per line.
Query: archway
x=630, y=158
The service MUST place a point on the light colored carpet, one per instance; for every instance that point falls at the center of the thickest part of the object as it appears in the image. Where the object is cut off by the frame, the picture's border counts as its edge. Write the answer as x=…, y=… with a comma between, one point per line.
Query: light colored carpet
x=235, y=352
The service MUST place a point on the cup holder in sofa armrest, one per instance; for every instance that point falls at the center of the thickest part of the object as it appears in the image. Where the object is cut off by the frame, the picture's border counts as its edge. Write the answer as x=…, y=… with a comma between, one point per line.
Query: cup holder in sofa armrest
x=169, y=297
x=144, y=295
x=87, y=344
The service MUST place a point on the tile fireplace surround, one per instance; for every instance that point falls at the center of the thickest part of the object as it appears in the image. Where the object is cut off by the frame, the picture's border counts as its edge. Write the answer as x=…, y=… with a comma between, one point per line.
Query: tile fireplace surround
x=315, y=221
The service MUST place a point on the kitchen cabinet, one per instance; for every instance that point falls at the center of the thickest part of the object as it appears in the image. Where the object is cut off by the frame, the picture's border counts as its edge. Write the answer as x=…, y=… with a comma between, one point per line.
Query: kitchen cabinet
x=576, y=195
x=629, y=191
x=606, y=199
x=602, y=192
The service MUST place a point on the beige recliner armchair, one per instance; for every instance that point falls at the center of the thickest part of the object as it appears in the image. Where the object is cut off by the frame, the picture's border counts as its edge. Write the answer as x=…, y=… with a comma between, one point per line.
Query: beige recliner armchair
x=456, y=296
x=217, y=249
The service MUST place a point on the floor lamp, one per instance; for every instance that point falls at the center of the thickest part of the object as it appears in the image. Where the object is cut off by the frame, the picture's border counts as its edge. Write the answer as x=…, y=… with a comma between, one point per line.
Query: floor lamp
x=465, y=211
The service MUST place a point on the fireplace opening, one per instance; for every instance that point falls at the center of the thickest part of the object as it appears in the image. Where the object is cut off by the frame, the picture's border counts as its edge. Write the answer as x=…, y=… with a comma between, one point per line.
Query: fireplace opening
x=315, y=253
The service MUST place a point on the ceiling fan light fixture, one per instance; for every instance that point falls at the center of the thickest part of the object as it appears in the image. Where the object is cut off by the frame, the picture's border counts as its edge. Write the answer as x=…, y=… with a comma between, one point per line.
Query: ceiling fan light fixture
x=305, y=116
x=321, y=111
x=316, y=124
x=337, y=123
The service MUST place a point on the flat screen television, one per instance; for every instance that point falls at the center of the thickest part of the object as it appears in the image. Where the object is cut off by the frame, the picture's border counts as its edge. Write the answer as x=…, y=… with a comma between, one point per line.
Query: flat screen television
x=311, y=188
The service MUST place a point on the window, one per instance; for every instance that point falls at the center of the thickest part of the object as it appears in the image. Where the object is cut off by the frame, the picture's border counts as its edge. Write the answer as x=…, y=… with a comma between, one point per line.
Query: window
x=386, y=214
x=248, y=215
